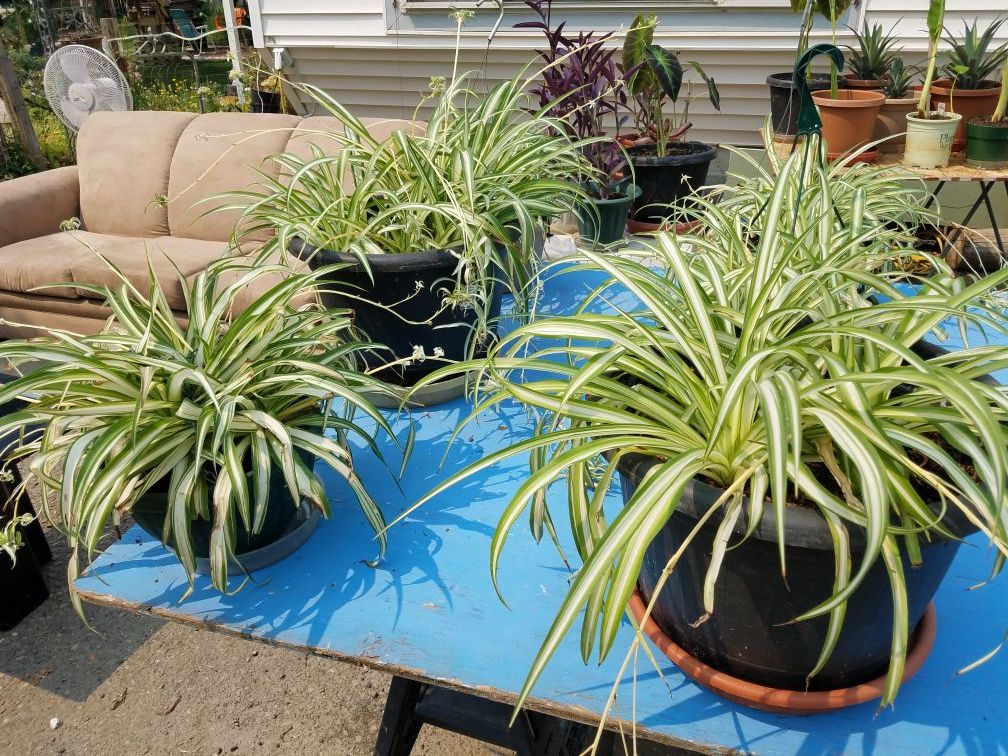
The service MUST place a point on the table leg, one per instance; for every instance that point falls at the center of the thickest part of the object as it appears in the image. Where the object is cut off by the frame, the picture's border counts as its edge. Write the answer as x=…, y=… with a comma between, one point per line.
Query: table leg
x=985, y=187
x=399, y=726
x=934, y=195
x=994, y=222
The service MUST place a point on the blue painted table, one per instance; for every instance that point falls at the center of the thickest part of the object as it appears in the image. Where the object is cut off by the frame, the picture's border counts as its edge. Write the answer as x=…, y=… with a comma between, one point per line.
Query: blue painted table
x=428, y=612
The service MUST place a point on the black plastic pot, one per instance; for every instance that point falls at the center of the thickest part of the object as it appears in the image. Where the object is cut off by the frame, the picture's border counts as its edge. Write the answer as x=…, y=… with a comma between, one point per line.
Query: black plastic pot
x=395, y=312
x=22, y=586
x=784, y=98
x=149, y=513
x=265, y=102
x=666, y=181
x=748, y=635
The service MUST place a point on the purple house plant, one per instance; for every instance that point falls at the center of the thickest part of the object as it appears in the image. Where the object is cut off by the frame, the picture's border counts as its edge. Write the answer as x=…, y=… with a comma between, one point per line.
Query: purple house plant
x=582, y=85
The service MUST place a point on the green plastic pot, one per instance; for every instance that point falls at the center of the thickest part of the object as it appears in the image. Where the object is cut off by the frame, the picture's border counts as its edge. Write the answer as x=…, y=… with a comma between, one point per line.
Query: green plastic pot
x=987, y=145
x=605, y=221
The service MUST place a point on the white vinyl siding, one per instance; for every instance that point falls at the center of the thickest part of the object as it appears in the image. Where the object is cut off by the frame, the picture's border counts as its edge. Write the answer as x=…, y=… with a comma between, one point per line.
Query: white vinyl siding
x=378, y=60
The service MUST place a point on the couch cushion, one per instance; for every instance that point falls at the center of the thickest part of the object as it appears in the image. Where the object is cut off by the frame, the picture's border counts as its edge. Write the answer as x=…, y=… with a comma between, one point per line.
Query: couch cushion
x=124, y=160
x=47, y=260
x=218, y=153
x=170, y=257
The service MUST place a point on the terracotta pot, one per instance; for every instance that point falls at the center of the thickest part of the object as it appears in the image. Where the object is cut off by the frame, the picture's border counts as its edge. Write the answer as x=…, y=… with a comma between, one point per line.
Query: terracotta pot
x=778, y=700
x=849, y=119
x=863, y=84
x=645, y=227
x=969, y=103
x=891, y=122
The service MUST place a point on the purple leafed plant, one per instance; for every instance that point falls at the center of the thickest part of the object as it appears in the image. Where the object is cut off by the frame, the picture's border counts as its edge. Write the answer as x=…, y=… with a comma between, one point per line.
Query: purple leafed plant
x=583, y=86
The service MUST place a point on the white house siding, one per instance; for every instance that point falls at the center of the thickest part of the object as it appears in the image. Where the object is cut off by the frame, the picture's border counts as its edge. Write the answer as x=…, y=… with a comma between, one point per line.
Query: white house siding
x=377, y=60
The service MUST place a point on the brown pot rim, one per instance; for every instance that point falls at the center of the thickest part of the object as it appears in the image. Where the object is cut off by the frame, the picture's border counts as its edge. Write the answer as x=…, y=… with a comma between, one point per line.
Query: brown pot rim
x=646, y=227
x=848, y=98
x=863, y=156
x=901, y=101
x=943, y=87
x=778, y=700
x=862, y=83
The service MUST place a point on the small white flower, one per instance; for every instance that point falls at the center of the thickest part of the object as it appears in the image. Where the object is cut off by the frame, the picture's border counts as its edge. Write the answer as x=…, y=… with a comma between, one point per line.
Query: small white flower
x=438, y=352
x=418, y=353
x=418, y=285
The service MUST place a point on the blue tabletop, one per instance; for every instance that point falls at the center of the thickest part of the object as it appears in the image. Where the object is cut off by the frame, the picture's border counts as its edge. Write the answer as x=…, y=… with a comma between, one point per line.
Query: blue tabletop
x=428, y=610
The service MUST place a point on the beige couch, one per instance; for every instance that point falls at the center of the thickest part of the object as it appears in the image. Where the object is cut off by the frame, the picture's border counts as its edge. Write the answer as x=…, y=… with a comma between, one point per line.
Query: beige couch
x=129, y=164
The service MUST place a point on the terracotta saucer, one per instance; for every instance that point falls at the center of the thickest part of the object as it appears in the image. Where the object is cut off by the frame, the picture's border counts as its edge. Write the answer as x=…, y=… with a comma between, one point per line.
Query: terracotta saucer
x=777, y=700
x=868, y=156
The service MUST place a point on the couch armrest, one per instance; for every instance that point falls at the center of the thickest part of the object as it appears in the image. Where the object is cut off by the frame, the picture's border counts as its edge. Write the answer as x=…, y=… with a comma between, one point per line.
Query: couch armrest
x=35, y=205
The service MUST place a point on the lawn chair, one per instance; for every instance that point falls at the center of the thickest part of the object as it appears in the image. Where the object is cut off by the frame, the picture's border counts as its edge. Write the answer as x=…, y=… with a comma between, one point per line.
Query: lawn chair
x=184, y=27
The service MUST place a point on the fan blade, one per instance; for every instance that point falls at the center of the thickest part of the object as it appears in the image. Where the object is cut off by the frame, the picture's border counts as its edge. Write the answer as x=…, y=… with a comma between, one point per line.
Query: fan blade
x=75, y=66
x=71, y=114
x=108, y=96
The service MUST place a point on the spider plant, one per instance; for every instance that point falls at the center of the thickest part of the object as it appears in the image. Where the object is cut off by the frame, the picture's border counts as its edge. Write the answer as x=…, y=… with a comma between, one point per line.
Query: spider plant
x=755, y=360
x=209, y=410
x=875, y=52
x=971, y=59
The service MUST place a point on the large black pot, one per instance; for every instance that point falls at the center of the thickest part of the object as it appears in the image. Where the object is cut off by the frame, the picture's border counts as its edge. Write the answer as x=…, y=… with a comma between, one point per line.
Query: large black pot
x=748, y=635
x=265, y=102
x=150, y=510
x=22, y=586
x=666, y=181
x=784, y=98
x=398, y=314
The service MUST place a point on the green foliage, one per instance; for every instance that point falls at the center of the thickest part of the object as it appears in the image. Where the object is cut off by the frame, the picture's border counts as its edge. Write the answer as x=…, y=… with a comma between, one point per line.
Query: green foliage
x=875, y=53
x=756, y=359
x=898, y=80
x=148, y=400
x=935, y=24
x=971, y=62
x=480, y=177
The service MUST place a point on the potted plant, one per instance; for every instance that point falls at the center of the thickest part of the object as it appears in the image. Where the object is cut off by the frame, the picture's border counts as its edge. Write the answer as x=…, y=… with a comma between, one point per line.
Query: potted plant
x=582, y=88
x=784, y=99
x=987, y=140
x=872, y=59
x=968, y=88
x=788, y=463
x=900, y=100
x=666, y=168
x=930, y=133
x=205, y=433
x=848, y=115
x=435, y=222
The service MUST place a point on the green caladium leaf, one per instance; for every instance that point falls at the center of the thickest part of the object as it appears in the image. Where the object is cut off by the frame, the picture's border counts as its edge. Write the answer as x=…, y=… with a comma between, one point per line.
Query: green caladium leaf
x=638, y=39
x=936, y=19
x=712, y=90
x=666, y=68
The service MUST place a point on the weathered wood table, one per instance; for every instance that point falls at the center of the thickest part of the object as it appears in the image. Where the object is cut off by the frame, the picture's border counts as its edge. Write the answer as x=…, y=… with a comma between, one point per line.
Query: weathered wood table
x=957, y=171
x=428, y=615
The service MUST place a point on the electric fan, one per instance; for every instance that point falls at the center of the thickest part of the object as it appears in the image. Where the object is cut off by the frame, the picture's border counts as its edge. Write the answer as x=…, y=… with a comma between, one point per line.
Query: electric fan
x=81, y=80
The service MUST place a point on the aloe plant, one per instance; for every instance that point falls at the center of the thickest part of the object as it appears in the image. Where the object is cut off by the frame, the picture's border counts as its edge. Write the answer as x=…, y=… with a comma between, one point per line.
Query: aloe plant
x=971, y=60
x=754, y=355
x=897, y=80
x=657, y=74
x=935, y=24
x=210, y=407
x=875, y=52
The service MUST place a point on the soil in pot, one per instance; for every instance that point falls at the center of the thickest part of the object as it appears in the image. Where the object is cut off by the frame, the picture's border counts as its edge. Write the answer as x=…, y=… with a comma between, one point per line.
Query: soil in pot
x=849, y=118
x=401, y=307
x=605, y=221
x=784, y=100
x=667, y=182
x=748, y=635
x=969, y=103
x=891, y=124
x=987, y=143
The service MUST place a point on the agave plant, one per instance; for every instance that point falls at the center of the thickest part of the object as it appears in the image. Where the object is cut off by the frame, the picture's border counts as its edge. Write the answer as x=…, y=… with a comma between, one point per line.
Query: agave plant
x=758, y=360
x=971, y=59
x=875, y=53
x=210, y=409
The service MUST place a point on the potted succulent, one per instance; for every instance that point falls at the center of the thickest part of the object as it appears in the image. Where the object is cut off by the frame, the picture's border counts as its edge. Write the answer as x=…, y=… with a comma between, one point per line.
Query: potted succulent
x=987, y=139
x=872, y=59
x=900, y=100
x=667, y=168
x=968, y=88
x=784, y=99
x=788, y=463
x=205, y=433
x=583, y=88
x=930, y=133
